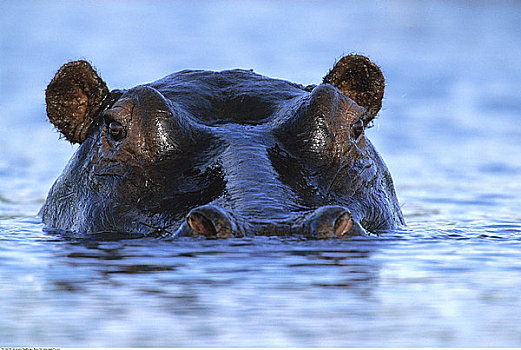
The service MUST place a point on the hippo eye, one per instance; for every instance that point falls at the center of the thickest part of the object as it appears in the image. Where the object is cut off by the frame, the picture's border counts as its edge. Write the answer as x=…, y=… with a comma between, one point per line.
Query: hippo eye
x=116, y=130
x=357, y=129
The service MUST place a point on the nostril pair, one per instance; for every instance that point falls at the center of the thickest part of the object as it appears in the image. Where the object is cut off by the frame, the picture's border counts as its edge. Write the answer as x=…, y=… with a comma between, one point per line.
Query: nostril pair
x=325, y=222
x=330, y=222
x=210, y=221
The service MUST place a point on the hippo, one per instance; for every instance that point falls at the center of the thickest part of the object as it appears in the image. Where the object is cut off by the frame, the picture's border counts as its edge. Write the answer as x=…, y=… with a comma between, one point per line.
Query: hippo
x=221, y=154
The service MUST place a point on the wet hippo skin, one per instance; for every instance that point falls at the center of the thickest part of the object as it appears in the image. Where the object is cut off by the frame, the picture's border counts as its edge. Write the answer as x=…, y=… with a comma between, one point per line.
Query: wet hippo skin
x=221, y=154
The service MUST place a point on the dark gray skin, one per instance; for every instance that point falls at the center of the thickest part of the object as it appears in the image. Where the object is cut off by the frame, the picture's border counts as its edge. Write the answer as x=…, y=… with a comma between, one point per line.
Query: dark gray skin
x=221, y=154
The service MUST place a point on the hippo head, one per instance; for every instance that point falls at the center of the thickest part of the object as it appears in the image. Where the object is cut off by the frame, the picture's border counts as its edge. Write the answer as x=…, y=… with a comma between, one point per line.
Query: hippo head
x=221, y=154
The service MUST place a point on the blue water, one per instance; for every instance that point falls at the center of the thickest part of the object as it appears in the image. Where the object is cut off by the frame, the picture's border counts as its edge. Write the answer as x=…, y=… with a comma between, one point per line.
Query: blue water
x=449, y=131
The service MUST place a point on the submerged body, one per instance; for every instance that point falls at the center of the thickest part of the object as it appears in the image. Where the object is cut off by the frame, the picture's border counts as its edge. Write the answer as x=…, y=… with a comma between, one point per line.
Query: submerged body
x=221, y=154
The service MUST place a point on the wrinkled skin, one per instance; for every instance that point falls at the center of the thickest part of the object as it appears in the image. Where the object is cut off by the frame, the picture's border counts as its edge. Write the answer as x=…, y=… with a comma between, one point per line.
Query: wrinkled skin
x=221, y=154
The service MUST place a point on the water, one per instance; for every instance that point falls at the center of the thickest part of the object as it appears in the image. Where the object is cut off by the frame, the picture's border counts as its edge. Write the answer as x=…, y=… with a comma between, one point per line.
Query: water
x=449, y=131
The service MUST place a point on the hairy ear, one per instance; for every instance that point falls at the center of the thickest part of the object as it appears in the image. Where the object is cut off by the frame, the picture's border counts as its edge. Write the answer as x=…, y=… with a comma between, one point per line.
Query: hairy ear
x=361, y=80
x=75, y=97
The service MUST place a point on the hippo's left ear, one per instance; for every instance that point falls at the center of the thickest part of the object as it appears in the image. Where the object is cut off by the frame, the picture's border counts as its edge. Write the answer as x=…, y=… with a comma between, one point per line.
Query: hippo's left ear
x=361, y=80
x=75, y=97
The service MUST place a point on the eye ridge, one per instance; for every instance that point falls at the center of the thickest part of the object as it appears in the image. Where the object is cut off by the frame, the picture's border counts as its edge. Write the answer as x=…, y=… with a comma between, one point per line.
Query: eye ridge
x=115, y=130
x=357, y=129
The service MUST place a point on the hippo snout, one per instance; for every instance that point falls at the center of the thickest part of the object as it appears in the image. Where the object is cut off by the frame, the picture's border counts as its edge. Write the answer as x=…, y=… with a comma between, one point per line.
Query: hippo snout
x=330, y=221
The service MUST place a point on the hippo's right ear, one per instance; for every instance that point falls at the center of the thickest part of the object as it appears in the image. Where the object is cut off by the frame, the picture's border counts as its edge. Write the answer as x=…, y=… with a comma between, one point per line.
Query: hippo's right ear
x=75, y=97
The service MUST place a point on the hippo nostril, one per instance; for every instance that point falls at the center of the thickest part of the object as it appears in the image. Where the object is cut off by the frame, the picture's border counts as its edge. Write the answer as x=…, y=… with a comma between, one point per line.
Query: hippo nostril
x=211, y=222
x=201, y=224
x=330, y=221
x=343, y=224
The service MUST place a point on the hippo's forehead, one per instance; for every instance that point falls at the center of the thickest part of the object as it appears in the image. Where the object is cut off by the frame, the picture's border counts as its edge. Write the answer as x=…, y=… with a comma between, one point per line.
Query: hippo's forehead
x=192, y=107
x=233, y=96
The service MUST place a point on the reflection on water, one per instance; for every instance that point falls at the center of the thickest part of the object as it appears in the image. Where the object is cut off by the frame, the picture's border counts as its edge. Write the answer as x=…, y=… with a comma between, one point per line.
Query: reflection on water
x=449, y=131
x=429, y=281
x=194, y=292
